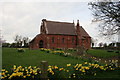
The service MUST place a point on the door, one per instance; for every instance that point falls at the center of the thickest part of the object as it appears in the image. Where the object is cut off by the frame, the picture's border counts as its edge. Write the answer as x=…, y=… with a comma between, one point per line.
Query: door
x=41, y=45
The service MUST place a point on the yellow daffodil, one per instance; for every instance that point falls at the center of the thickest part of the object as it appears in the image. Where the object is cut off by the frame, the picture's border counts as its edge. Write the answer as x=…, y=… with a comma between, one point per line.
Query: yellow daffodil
x=49, y=66
x=67, y=70
x=40, y=72
x=3, y=73
x=68, y=65
x=87, y=68
x=83, y=70
x=85, y=63
x=28, y=74
x=92, y=64
x=23, y=69
x=80, y=69
x=76, y=68
x=3, y=69
x=56, y=67
x=69, y=76
x=74, y=74
x=35, y=73
x=61, y=69
x=94, y=74
x=24, y=76
x=2, y=77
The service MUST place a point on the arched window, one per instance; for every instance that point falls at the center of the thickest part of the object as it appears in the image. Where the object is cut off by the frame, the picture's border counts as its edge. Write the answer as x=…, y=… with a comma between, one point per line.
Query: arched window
x=41, y=44
x=63, y=40
x=52, y=39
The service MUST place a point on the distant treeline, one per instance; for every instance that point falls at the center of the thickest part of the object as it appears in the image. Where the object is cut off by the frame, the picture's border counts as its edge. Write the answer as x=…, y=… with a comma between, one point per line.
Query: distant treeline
x=19, y=42
x=115, y=46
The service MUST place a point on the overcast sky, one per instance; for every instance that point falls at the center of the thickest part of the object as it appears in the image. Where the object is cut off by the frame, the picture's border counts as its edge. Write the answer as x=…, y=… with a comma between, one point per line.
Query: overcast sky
x=24, y=18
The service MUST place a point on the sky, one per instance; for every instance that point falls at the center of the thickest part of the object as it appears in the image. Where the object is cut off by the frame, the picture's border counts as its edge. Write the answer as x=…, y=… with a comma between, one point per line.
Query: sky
x=24, y=18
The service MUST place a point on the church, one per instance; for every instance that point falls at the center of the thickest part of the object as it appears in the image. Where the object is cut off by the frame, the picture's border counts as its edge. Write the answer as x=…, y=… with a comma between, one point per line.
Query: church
x=54, y=34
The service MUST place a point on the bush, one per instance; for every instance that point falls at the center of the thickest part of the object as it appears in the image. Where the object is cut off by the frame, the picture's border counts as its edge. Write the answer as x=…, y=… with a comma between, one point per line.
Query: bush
x=21, y=50
x=58, y=49
x=117, y=52
x=110, y=51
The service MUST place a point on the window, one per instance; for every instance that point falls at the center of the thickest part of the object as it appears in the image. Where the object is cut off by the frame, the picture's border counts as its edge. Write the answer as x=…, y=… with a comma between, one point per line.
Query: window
x=52, y=39
x=73, y=40
x=87, y=39
x=63, y=40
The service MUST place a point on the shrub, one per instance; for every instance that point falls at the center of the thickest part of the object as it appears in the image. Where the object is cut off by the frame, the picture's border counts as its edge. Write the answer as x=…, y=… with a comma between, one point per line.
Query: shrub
x=67, y=54
x=117, y=52
x=58, y=49
x=110, y=51
x=21, y=50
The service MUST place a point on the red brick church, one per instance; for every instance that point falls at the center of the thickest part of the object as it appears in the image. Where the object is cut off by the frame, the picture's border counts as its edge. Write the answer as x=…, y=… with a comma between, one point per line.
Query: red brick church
x=55, y=34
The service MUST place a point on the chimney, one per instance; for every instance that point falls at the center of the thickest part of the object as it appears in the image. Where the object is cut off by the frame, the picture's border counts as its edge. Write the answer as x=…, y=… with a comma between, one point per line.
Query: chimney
x=78, y=23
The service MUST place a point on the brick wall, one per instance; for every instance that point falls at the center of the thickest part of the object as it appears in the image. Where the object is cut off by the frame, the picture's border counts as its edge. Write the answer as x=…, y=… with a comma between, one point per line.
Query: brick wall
x=56, y=41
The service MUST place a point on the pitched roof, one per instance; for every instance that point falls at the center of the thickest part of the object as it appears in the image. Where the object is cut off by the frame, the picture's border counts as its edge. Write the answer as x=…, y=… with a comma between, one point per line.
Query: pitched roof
x=53, y=27
x=83, y=32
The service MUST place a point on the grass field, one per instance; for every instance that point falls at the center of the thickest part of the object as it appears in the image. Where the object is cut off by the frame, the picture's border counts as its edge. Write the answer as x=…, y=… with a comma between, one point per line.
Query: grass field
x=10, y=57
x=102, y=53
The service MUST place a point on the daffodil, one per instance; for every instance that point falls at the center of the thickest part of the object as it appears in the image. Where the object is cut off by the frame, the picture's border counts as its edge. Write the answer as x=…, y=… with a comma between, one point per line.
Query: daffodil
x=83, y=70
x=49, y=66
x=35, y=73
x=61, y=69
x=80, y=69
x=24, y=76
x=76, y=68
x=74, y=74
x=3, y=69
x=87, y=68
x=94, y=74
x=85, y=63
x=68, y=65
x=2, y=77
x=69, y=77
x=67, y=70
x=3, y=73
x=56, y=67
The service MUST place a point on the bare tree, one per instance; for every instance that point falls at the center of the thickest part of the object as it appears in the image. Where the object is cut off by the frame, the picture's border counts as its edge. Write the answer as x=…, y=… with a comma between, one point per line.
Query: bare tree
x=100, y=44
x=92, y=42
x=108, y=14
x=105, y=45
x=25, y=41
x=18, y=40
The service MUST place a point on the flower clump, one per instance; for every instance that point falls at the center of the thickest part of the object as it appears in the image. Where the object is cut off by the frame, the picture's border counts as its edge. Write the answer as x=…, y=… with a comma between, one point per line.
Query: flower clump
x=59, y=52
x=21, y=73
x=79, y=71
x=46, y=50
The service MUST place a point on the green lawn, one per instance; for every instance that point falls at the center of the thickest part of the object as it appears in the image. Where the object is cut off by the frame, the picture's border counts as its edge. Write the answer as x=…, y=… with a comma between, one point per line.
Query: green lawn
x=11, y=57
x=102, y=53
